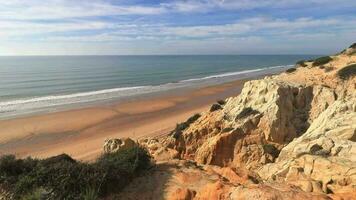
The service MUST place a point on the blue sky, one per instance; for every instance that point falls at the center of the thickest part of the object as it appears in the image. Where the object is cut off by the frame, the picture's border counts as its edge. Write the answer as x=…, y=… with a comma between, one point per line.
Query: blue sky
x=107, y=27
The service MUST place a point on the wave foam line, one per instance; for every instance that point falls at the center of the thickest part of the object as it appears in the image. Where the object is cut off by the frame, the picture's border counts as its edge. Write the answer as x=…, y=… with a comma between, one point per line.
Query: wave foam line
x=113, y=90
x=58, y=97
x=236, y=73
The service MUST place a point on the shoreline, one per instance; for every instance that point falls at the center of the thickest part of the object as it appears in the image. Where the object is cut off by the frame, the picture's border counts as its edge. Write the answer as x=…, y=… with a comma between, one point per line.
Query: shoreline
x=81, y=132
x=19, y=108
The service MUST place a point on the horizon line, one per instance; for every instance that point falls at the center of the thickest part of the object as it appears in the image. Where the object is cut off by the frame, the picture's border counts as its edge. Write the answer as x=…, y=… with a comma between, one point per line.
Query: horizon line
x=159, y=55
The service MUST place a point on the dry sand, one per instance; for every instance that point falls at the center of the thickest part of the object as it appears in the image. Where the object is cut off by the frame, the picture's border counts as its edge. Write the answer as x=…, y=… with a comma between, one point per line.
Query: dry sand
x=81, y=133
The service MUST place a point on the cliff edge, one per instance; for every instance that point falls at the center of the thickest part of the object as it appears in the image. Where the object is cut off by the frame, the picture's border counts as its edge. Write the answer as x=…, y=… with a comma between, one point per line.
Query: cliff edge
x=287, y=136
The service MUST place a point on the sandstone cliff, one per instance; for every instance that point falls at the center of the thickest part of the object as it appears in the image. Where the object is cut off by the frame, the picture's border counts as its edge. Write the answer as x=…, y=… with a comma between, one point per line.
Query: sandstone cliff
x=288, y=136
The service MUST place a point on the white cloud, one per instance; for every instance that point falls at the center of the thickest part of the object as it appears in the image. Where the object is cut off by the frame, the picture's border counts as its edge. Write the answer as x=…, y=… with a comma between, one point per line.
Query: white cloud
x=211, y=5
x=61, y=9
x=62, y=22
x=111, y=31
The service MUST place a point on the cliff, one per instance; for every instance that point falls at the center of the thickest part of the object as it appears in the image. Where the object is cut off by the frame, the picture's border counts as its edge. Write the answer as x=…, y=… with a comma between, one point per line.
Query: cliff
x=287, y=136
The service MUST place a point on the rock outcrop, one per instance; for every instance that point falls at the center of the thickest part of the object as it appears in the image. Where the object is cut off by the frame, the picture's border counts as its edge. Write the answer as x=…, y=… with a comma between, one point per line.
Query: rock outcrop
x=184, y=180
x=251, y=129
x=288, y=136
x=114, y=145
x=325, y=154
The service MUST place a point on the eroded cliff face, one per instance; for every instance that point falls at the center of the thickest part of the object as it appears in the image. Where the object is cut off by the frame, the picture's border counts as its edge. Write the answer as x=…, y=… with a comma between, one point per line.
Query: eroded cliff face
x=323, y=158
x=288, y=136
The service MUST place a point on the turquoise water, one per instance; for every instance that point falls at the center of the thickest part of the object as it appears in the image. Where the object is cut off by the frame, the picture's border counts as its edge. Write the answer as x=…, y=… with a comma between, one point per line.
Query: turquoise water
x=29, y=84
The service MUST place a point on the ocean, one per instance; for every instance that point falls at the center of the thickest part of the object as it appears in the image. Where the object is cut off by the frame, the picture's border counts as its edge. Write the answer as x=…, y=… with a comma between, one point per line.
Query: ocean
x=32, y=84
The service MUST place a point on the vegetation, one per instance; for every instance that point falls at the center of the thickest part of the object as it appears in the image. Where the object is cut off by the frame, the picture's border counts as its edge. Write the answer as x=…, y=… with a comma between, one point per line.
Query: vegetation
x=301, y=63
x=290, y=70
x=347, y=72
x=271, y=149
x=247, y=112
x=328, y=69
x=322, y=61
x=182, y=126
x=62, y=177
x=221, y=102
x=215, y=107
x=353, y=46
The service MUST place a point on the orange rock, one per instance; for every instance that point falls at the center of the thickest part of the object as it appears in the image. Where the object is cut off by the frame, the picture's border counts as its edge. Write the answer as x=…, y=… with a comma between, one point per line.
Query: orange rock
x=182, y=194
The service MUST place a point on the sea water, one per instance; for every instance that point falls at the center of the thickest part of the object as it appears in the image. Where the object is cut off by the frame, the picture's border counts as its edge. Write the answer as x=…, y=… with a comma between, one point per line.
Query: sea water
x=46, y=83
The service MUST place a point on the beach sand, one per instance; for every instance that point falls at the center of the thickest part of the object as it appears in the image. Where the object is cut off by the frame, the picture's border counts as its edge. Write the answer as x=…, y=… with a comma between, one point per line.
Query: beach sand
x=82, y=132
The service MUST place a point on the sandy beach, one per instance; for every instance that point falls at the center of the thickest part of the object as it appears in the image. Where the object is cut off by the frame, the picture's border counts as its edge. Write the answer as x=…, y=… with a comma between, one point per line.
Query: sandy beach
x=81, y=132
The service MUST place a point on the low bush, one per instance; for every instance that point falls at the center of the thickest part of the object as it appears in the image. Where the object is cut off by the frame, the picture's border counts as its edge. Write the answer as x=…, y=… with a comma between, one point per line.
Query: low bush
x=271, y=149
x=215, y=107
x=246, y=112
x=290, y=70
x=322, y=60
x=328, y=69
x=353, y=46
x=182, y=126
x=301, y=63
x=62, y=177
x=193, y=118
x=221, y=102
x=347, y=72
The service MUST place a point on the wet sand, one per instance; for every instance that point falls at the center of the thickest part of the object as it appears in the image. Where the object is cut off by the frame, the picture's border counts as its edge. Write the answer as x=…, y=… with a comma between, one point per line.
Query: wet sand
x=81, y=132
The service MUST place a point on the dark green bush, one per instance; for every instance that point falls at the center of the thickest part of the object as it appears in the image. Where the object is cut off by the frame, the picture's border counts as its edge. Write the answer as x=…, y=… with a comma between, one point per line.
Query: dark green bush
x=322, y=60
x=347, y=72
x=271, y=149
x=61, y=177
x=301, y=63
x=182, y=126
x=353, y=46
x=328, y=69
x=221, y=102
x=290, y=70
x=215, y=107
x=193, y=118
x=246, y=112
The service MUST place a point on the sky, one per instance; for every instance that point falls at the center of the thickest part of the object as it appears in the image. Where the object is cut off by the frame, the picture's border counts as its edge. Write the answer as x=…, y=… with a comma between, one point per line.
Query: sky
x=151, y=27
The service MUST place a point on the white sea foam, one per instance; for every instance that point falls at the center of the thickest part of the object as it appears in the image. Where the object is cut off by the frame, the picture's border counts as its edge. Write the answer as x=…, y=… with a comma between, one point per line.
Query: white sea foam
x=58, y=97
x=37, y=104
x=236, y=73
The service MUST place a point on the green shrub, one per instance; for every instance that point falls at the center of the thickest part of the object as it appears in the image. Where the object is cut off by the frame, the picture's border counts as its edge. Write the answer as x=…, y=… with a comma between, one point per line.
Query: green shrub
x=215, y=107
x=61, y=177
x=328, y=69
x=271, y=149
x=246, y=112
x=301, y=63
x=90, y=194
x=353, y=46
x=193, y=118
x=176, y=133
x=221, y=102
x=347, y=72
x=322, y=60
x=35, y=195
x=290, y=70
